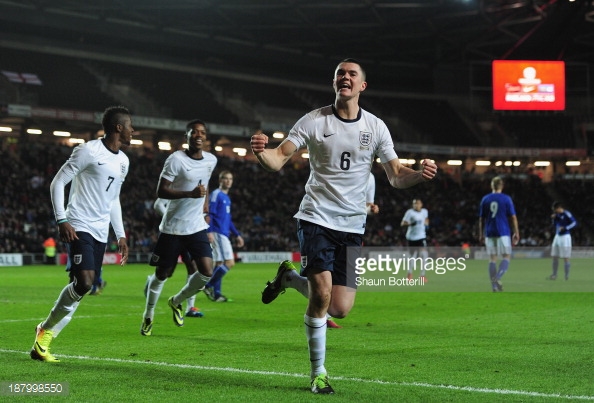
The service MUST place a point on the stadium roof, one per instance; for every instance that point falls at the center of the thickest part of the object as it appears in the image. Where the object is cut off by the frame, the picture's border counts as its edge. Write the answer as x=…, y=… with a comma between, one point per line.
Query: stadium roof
x=401, y=42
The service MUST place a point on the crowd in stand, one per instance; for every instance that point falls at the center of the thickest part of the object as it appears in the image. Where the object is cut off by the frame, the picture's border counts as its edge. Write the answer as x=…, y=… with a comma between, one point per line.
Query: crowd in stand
x=264, y=203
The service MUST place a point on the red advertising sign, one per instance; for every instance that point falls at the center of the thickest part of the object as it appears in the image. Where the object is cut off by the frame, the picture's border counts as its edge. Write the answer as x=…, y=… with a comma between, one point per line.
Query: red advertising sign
x=528, y=85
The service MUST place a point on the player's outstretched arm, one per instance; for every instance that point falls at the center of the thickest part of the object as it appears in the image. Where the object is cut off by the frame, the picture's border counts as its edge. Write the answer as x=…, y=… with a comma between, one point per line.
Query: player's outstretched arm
x=272, y=159
x=402, y=177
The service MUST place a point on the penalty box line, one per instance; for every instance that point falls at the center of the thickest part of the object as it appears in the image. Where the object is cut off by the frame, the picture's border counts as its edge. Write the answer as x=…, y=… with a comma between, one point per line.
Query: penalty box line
x=333, y=378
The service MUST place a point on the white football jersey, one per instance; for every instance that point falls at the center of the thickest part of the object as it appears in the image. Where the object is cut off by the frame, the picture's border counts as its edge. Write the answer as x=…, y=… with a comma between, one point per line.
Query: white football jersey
x=97, y=175
x=160, y=206
x=341, y=153
x=186, y=216
x=416, y=219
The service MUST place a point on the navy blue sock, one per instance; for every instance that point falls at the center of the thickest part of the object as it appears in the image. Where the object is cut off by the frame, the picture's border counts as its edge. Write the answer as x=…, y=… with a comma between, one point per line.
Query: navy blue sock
x=217, y=288
x=503, y=266
x=217, y=276
x=566, y=267
x=555, y=267
x=492, y=270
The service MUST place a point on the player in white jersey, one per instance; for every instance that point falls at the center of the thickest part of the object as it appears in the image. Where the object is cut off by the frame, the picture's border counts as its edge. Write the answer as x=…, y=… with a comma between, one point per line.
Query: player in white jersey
x=160, y=207
x=342, y=140
x=416, y=220
x=97, y=170
x=183, y=182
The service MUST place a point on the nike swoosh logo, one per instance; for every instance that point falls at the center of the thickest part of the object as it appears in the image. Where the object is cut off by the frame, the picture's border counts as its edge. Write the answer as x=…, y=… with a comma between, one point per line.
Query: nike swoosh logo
x=39, y=347
x=101, y=163
x=328, y=135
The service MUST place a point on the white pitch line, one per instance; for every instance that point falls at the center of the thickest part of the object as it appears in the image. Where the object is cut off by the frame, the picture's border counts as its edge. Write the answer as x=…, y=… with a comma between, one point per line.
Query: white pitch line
x=37, y=320
x=334, y=378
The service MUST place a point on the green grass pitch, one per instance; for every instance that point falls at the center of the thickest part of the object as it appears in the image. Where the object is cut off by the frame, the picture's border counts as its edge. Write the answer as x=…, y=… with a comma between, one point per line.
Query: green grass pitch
x=534, y=342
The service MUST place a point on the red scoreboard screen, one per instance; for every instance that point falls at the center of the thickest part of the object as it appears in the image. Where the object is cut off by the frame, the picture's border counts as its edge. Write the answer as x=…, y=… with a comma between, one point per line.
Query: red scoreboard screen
x=528, y=85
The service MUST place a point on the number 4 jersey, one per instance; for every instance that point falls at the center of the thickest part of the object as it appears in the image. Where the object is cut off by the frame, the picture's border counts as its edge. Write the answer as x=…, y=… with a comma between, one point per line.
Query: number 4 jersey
x=341, y=154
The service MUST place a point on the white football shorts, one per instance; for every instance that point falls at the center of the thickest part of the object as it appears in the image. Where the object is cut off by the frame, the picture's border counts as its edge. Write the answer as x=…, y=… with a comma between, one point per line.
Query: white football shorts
x=561, y=246
x=221, y=248
x=499, y=246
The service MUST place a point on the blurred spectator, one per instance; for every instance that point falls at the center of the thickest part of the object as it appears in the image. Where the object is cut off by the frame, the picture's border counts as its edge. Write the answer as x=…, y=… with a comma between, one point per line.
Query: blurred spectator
x=49, y=248
x=26, y=219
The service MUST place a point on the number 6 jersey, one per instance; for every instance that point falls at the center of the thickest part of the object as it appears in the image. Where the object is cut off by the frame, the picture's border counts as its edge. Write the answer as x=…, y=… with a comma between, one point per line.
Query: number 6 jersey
x=341, y=154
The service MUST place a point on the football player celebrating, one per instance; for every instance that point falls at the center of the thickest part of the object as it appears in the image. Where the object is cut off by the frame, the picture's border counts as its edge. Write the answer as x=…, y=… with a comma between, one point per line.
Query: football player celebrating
x=342, y=140
x=183, y=182
x=97, y=170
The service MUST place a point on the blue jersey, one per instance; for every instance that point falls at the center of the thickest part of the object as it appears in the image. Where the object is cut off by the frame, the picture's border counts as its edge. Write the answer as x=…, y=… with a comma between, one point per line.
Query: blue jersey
x=220, y=214
x=495, y=209
x=564, y=220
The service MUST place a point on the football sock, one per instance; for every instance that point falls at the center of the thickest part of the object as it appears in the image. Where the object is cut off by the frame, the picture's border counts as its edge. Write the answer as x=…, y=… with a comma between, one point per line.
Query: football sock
x=217, y=278
x=503, y=266
x=566, y=267
x=155, y=286
x=194, y=284
x=315, y=330
x=191, y=300
x=65, y=320
x=217, y=288
x=67, y=302
x=555, y=266
x=294, y=280
x=424, y=256
x=492, y=270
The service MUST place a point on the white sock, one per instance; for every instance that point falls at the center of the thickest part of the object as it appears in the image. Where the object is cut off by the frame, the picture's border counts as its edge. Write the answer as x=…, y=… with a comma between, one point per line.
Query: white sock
x=65, y=320
x=424, y=256
x=191, y=300
x=194, y=284
x=315, y=330
x=155, y=286
x=294, y=280
x=64, y=305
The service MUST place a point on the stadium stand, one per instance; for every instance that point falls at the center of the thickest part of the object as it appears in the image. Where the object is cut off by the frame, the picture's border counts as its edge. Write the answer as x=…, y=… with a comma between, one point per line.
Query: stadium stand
x=540, y=131
x=435, y=119
x=452, y=199
x=65, y=83
x=173, y=95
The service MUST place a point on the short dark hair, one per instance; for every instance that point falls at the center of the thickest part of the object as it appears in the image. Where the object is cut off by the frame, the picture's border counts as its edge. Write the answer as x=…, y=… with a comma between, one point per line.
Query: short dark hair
x=194, y=122
x=112, y=116
x=352, y=60
x=557, y=204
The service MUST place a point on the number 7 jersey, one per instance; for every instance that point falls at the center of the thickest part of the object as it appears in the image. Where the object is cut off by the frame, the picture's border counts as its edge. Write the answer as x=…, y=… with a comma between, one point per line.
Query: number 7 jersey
x=341, y=154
